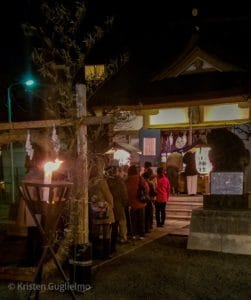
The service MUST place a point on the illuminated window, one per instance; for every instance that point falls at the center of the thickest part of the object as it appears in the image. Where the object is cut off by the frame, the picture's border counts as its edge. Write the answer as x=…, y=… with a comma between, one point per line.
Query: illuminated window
x=94, y=72
x=170, y=116
x=225, y=112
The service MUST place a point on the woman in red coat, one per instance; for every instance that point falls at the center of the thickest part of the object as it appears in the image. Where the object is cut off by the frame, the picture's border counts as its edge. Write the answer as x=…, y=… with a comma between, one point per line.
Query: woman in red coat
x=163, y=193
x=137, y=208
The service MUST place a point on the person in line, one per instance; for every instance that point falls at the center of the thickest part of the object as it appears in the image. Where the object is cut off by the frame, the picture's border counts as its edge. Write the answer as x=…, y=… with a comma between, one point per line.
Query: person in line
x=120, y=198
x=150, y=178
x=137, y=208
x=163, y=193
x=174, y=166
x=100, y=228
x=123, y=173
x=191, y=172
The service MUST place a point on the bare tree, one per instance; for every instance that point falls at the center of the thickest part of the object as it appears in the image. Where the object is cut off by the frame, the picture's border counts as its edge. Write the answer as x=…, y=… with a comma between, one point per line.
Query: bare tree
x=60, y=49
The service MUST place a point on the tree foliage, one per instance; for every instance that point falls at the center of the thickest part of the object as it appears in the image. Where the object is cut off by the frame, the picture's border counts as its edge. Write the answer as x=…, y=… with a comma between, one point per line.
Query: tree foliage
x=61, y=43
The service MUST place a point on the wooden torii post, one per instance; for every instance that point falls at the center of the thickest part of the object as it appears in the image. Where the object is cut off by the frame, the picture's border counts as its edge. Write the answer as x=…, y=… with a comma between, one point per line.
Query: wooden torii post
x=82, y=182
x=15, y=131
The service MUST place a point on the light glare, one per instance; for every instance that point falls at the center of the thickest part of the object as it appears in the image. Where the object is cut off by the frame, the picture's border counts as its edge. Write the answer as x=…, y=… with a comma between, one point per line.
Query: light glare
x=29, y=82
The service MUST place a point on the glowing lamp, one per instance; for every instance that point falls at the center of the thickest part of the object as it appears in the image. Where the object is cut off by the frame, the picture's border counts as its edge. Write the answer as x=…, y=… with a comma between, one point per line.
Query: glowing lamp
x=203, y=164
x=29, y=82
x=122, y=156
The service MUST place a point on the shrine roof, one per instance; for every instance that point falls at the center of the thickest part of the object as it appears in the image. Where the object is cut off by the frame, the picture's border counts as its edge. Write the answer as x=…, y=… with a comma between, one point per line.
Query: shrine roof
x=187, y=64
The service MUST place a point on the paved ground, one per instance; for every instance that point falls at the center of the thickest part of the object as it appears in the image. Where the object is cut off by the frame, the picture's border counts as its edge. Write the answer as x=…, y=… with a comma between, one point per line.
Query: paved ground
x=161, y=267
x=12, y=289
x=172, y=227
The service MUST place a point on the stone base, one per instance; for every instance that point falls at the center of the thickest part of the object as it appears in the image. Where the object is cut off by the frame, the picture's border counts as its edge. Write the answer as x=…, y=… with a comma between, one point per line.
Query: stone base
x=226, y=231
x=224, y=202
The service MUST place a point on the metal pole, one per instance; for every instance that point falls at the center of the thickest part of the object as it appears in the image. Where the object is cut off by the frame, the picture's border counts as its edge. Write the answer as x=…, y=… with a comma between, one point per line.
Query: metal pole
x=11, y=146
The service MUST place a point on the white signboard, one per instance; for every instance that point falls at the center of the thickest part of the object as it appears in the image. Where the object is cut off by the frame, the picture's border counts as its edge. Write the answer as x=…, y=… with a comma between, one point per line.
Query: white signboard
x=227, y=183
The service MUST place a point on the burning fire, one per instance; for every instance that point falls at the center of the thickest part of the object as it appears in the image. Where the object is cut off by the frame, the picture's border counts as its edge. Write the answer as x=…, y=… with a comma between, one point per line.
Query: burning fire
x=50, y=166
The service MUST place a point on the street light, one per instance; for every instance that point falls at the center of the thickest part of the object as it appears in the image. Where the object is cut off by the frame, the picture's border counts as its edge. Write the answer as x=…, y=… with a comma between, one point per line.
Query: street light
x=28, y=83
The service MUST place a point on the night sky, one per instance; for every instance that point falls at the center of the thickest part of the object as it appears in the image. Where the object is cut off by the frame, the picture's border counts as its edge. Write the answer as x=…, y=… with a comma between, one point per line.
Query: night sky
x=136, y=23
x=134, y=20
x=15, y=48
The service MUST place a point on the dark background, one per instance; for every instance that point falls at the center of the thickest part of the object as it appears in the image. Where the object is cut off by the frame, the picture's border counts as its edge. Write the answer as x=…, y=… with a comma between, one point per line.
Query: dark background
x=138, y=26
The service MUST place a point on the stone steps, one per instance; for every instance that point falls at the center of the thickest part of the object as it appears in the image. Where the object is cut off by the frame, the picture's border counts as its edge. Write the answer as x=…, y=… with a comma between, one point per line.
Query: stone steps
x=178, y=212
x=178, y=218
x=180, y=208
x=186, y=198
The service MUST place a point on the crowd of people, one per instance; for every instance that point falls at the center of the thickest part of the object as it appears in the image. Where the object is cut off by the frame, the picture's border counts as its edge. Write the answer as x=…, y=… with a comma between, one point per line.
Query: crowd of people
x=116, y=211
x=128, y=217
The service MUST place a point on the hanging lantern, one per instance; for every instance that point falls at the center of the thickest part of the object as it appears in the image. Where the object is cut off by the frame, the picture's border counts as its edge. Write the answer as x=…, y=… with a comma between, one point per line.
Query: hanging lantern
x=203, y=164
x=163, y=157
x=122, y=156
x=171, y=139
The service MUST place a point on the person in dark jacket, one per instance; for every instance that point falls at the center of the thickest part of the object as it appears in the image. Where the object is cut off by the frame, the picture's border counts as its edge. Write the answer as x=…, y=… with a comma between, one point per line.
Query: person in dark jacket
x=191, y=172
x=150, y=178
x=173, y=168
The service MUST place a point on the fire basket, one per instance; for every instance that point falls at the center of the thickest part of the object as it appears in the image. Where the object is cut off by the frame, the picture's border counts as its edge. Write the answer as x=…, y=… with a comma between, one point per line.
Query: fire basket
x=46, y=202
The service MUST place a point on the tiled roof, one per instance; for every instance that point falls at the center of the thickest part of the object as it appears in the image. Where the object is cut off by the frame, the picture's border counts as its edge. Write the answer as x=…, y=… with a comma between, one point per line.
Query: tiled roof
x=140, y=84
x=162, y=65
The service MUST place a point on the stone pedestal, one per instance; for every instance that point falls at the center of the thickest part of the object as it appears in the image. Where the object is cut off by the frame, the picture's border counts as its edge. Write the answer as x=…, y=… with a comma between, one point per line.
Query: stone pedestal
x=221, y=230
x=224, y=222
x=227, y=202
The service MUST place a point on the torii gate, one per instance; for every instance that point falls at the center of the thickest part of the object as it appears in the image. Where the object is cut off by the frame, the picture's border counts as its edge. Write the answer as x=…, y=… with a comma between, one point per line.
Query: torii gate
x=82, y=122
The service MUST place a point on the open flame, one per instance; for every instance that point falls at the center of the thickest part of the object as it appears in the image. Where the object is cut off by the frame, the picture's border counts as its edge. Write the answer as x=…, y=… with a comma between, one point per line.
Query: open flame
x=50, y=166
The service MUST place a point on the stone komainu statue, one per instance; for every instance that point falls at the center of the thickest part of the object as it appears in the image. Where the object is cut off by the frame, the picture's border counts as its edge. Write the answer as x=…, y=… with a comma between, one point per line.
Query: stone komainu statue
x=228, y=152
